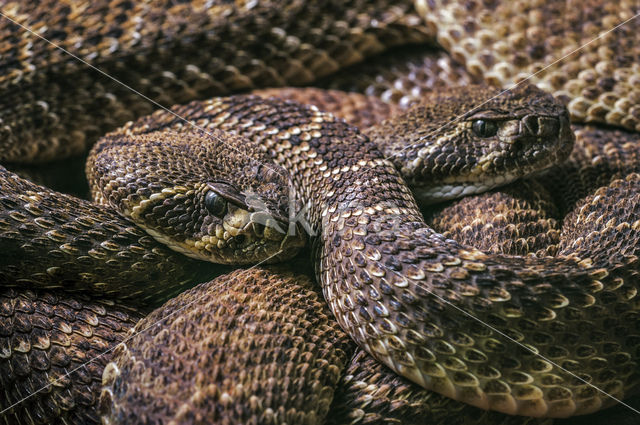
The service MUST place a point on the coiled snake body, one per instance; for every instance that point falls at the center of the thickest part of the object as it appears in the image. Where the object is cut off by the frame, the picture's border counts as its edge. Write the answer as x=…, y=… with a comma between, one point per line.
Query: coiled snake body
x=399, y=289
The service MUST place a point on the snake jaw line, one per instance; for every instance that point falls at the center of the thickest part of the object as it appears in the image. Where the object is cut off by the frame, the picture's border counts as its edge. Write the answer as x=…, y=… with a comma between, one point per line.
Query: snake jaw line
x=434, y=194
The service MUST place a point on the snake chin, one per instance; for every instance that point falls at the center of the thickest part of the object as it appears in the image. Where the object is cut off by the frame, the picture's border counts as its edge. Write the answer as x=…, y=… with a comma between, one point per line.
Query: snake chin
x=429, y=195
x=244, y=248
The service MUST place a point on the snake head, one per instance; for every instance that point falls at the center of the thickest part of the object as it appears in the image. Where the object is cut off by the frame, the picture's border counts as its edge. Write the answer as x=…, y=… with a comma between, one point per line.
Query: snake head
x=212, y=197
x=474, y=138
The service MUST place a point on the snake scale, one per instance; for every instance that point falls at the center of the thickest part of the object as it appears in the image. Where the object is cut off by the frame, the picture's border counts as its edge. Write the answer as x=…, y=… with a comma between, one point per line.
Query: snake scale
x=51, y=129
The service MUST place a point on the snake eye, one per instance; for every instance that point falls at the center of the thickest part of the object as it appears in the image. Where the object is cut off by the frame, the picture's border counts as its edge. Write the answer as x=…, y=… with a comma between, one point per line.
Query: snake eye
x=484, y=128
x=215, y=203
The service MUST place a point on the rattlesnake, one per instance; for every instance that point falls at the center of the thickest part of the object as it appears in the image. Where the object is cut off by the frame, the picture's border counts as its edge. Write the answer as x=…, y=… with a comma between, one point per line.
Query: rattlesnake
x=44, y=108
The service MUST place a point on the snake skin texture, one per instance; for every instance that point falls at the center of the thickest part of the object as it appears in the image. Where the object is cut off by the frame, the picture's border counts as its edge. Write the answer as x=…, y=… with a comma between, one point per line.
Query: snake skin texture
x=442, y=158
x=47, y=95
x=438, y=158
x=46, y=340
x=524, y=219
x=503, y=42
x=256, y=346
x=161, y=182
x=599, y=157
x=359, y=110
x=354, y=241
x=372, y=394
x=51, y=240
x=600, y=226
x=54, y=106
x=402, y=76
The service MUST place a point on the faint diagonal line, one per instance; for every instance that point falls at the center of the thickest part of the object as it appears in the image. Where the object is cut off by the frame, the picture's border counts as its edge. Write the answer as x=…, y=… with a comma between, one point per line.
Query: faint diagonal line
x=473, y=317
x=458, y=117
x=387, y=158
x=422, y=286
x=504, y=335
x=124, y=341
x=191, y=123
x=269, y=165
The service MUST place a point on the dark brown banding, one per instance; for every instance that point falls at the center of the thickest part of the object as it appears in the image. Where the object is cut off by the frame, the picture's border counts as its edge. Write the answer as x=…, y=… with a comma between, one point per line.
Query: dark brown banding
x=53, y=349
x=254, y=346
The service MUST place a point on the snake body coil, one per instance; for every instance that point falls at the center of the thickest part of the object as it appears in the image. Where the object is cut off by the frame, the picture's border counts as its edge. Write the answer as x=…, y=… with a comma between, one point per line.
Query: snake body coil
x=172, y=53
x=399, y=291
x=408, y=295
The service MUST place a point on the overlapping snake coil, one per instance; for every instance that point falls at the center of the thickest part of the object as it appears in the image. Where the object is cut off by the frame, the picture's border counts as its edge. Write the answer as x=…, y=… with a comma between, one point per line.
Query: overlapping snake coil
x=402, y=291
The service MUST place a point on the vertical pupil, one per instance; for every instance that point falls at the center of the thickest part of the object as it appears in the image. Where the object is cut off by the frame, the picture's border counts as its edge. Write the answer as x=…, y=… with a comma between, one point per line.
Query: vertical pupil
x=484, y=128
x=479, y=126
x=214, y=203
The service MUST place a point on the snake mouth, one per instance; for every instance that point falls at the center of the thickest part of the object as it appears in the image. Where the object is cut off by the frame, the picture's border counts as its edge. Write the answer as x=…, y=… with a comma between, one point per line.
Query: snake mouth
x=242, y=237
x=249, y=237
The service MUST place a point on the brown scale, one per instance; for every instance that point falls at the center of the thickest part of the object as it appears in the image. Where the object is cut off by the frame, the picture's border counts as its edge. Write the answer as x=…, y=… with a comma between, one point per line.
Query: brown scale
x=55, y=106
x=51, y=240
x=46, y=340
x=377, y=396
x=600, y=155
x=254, y=346
x=370, y=393
x=379, y=276
x=522, y=219
x=517, y=219
x=383, y=409
x=527, y=217
x=595, y=229
x=166, y=193
x=403, y=76
x=510, y=41
x=436, y=142
x=502, y=42
x=357, y=109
